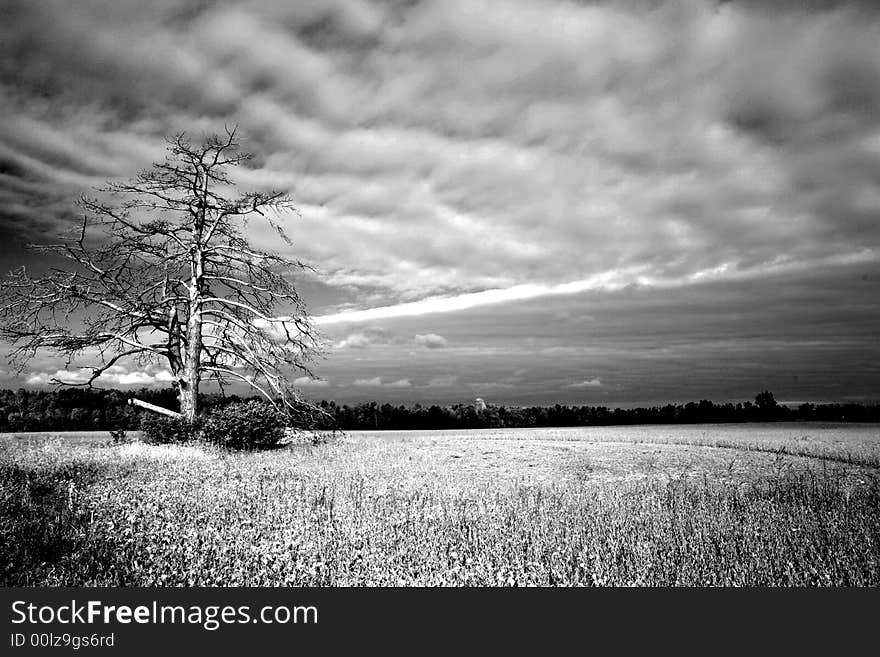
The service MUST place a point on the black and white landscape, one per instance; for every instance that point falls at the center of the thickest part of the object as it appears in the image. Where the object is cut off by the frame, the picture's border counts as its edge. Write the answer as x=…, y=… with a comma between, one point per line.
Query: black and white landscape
x=509, y=217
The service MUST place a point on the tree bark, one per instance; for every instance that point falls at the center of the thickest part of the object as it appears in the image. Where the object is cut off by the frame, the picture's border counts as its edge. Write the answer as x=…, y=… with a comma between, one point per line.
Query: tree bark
x=189, y=384
x=189, y=399
x=192, y=371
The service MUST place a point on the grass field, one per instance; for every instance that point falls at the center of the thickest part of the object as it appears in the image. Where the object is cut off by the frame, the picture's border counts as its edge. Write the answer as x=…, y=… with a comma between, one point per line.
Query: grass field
x=657, y=505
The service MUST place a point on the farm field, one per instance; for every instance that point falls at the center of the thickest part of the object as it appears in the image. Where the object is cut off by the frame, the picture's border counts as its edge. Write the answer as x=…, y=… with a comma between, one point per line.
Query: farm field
x=777, y=504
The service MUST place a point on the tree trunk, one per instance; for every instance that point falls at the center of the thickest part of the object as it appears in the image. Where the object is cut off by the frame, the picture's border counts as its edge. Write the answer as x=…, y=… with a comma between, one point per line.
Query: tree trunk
x=189, y=399
x=189, y=382
x=192, y=372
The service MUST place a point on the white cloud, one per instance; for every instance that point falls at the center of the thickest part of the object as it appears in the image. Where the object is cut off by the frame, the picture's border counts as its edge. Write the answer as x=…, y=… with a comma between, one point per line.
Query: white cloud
x=589, y=383
x=365, y=338
x=42, y=378
x=375, y=382
x=354, y=341
x=308, y=382
x=431, y=340
x=132, y=378
x=611, y=280
x=117, y=374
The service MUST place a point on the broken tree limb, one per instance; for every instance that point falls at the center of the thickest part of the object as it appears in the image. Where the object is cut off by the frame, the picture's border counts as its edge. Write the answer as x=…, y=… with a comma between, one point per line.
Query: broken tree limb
x=152, y=407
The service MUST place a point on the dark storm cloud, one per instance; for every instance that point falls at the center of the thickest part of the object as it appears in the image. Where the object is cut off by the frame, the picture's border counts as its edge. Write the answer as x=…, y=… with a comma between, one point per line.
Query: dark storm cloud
x=663, y=136
x=803, y=6
x=439, y=148
x=806, y=335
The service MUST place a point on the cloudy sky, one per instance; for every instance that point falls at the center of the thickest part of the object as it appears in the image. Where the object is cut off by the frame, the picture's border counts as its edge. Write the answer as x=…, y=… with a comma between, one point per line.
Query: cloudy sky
x=528, y=201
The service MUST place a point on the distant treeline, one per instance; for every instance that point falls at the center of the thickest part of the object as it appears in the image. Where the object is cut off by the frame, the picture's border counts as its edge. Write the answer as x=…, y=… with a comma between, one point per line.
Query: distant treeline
x=97, y=409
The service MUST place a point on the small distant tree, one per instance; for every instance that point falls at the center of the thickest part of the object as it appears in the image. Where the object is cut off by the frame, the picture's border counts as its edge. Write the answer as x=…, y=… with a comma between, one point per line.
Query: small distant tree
x=765, y=401
x=160, y=269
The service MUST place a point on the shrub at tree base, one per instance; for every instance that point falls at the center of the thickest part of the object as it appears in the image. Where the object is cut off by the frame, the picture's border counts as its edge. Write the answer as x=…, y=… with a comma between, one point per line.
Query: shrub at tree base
x=162, y=430
x=245, y=426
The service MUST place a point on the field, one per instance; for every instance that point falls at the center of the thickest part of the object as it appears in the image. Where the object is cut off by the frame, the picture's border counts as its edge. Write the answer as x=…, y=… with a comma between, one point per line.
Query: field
x=779, y=504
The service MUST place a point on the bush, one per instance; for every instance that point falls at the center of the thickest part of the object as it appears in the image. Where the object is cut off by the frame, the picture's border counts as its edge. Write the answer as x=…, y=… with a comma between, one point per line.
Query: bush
x=118, y=437
x=245, y=425
x=164, y=430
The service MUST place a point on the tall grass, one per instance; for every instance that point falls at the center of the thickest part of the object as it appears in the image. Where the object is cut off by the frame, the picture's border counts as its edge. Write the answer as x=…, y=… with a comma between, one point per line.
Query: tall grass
x=143, y=516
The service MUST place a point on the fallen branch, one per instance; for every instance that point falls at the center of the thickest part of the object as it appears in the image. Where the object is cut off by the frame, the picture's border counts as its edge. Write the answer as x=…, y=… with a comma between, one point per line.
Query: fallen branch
x=152, y=407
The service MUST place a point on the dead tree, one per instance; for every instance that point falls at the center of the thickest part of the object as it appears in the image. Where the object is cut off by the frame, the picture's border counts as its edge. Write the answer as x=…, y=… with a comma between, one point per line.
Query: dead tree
x=161, y=270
